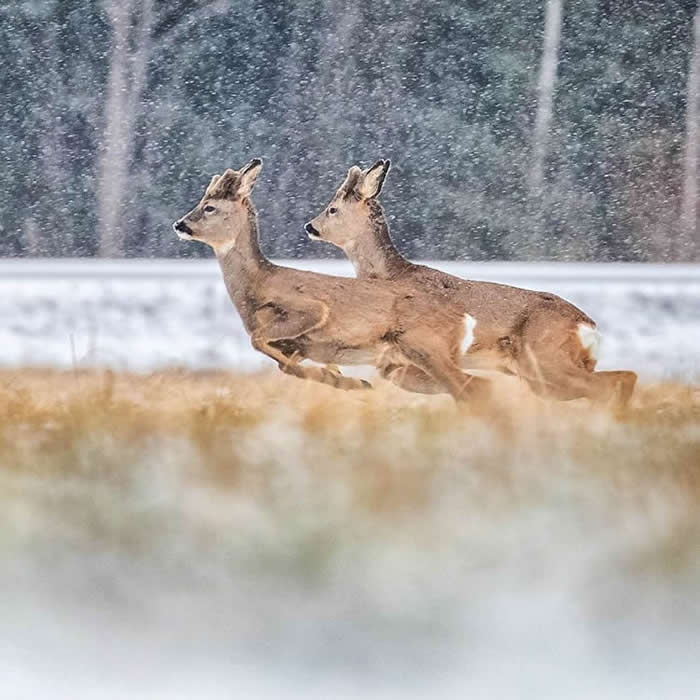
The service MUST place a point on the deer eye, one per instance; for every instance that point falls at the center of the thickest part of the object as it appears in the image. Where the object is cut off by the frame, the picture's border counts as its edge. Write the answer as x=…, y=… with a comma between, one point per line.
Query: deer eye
x=332, y=210
x=209, y=209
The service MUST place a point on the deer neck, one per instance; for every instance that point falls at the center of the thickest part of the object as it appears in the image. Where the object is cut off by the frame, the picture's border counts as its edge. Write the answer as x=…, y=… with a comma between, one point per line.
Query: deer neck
x=374, y=254
x=243, y=267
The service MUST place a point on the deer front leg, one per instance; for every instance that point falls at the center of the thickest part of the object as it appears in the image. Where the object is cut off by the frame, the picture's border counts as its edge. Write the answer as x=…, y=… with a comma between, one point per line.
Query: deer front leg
x=274, y=324
x=431, y=356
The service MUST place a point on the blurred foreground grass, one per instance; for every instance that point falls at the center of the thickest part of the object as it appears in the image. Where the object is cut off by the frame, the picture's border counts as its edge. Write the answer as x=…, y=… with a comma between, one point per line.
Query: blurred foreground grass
x=267, y=505
x=306, y=450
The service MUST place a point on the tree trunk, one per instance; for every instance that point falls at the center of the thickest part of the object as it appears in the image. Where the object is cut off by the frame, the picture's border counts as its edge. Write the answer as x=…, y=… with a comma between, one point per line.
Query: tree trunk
x=337, y=80
x=52, y=159
x=125, y=84
x=31, y=238
x=545, y=94
x=689, y=205
x=113, y=168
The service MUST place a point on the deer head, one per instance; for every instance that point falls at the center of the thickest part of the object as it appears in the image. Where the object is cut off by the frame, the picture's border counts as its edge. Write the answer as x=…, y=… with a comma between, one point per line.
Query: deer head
x=223, y=211
x=346, y=217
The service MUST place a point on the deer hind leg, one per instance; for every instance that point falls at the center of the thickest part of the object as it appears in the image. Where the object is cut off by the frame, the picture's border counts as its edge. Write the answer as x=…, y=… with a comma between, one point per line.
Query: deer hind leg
x=274, y=325
x=432, y=356
x=410, y=378
x=558, y=360
x=568, y=381
x=616, y=386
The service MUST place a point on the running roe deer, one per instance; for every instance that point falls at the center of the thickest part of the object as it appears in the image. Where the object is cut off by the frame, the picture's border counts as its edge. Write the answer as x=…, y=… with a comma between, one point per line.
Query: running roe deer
x=535, y=335
x=293, y=315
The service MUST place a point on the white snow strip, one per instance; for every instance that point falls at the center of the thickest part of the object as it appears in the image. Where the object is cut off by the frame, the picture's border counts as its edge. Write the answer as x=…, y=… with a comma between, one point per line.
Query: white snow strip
x=143, y=315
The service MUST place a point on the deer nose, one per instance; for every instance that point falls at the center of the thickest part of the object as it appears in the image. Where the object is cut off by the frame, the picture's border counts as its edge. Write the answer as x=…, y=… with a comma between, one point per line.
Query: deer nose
x=182, y=229
x=313, y=233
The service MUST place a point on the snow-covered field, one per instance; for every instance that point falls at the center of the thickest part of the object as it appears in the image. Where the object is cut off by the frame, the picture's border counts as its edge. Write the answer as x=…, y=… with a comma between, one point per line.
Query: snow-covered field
x=145, y=314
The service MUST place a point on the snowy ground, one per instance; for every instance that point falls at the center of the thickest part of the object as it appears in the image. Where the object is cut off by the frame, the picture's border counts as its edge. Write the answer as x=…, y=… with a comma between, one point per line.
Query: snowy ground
x=148, y=314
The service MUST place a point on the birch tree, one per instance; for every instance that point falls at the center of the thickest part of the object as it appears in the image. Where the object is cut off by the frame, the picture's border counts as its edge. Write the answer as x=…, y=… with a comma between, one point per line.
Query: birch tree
x=135, y=25
x=337, y=80
x=689, y=203
x=545, y=94
x=121, y=100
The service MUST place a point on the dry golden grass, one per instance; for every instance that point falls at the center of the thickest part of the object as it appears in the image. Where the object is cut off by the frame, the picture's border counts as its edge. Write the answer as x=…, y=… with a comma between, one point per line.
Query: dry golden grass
x=386, y=445
x=304, y=456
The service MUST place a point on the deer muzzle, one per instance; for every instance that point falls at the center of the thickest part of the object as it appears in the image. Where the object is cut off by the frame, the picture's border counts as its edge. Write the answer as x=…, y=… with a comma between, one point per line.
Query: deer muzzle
x=311, y=231
x=183, y=230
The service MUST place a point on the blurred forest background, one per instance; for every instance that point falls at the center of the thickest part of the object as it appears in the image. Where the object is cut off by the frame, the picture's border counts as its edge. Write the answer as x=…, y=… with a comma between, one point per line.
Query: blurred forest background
x=518, y=129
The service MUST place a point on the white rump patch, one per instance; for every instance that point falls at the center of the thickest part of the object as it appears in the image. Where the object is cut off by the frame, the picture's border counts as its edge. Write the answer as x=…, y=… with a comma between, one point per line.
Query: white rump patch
x=590, y=339
x=468, y=339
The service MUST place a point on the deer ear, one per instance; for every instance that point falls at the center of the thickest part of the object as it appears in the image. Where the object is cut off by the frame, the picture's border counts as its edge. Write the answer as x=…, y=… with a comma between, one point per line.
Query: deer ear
x=225, y=185
x=212, y=185
x=248, y=176
x=370, y=184
x=350, y=182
